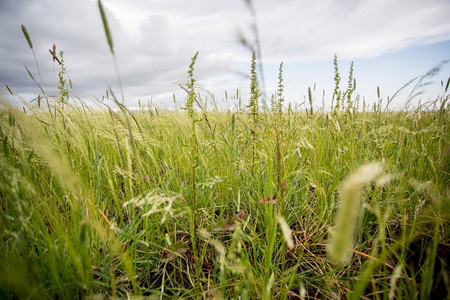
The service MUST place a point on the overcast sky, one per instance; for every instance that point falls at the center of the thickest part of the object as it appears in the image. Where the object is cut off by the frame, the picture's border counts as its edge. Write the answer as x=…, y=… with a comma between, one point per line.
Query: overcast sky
x=390, y=42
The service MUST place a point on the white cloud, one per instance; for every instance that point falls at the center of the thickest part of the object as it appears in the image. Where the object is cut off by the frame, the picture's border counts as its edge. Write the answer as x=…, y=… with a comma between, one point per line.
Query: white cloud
x=354, y=29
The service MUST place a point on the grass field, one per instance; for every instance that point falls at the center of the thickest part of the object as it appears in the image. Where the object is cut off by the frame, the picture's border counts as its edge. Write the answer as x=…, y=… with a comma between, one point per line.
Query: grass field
x=248, y=203
x=98, y=203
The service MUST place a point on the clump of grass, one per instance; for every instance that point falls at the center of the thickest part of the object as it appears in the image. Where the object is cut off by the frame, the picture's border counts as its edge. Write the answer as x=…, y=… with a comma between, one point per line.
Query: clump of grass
x=340, y=96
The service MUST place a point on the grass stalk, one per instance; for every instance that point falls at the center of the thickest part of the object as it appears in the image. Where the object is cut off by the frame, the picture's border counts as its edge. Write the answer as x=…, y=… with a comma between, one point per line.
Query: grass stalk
x=111, y=46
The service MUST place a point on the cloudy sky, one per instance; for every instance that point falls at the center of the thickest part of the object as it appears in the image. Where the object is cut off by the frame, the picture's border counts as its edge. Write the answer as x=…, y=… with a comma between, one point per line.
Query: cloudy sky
x=390, y=42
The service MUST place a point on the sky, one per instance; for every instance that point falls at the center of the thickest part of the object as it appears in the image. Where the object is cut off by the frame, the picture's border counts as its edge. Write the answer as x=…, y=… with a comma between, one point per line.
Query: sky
x=389, y=41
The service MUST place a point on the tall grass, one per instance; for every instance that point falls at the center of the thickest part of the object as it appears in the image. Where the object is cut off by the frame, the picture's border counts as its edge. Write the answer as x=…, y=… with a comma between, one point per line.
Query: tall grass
x=68, y=230
x=249, y=204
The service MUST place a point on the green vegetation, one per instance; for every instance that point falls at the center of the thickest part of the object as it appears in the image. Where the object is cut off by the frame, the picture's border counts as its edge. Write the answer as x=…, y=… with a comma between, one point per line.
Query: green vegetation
x=100, y=203
x=95, y=204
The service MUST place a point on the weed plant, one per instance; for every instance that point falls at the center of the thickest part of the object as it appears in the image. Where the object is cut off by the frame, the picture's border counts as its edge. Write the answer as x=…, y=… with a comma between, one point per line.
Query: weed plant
x=103, y=203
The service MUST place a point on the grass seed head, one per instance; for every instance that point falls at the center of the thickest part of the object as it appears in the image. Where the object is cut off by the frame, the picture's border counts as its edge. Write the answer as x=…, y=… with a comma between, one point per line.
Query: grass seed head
x=27, y=36
x=342, y=233
x=106, y=26
x=287, y=232
x=393, y=282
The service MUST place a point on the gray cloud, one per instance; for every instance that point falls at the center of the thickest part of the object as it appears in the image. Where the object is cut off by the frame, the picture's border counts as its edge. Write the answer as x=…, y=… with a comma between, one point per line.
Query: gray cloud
x=154, y=40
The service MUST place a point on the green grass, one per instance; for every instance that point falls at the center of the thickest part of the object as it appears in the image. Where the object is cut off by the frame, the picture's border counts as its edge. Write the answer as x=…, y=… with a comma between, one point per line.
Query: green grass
x=70, y=229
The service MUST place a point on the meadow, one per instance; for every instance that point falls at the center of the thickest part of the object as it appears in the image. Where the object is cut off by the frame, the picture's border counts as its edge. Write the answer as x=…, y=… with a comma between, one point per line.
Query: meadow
x=247, y=203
